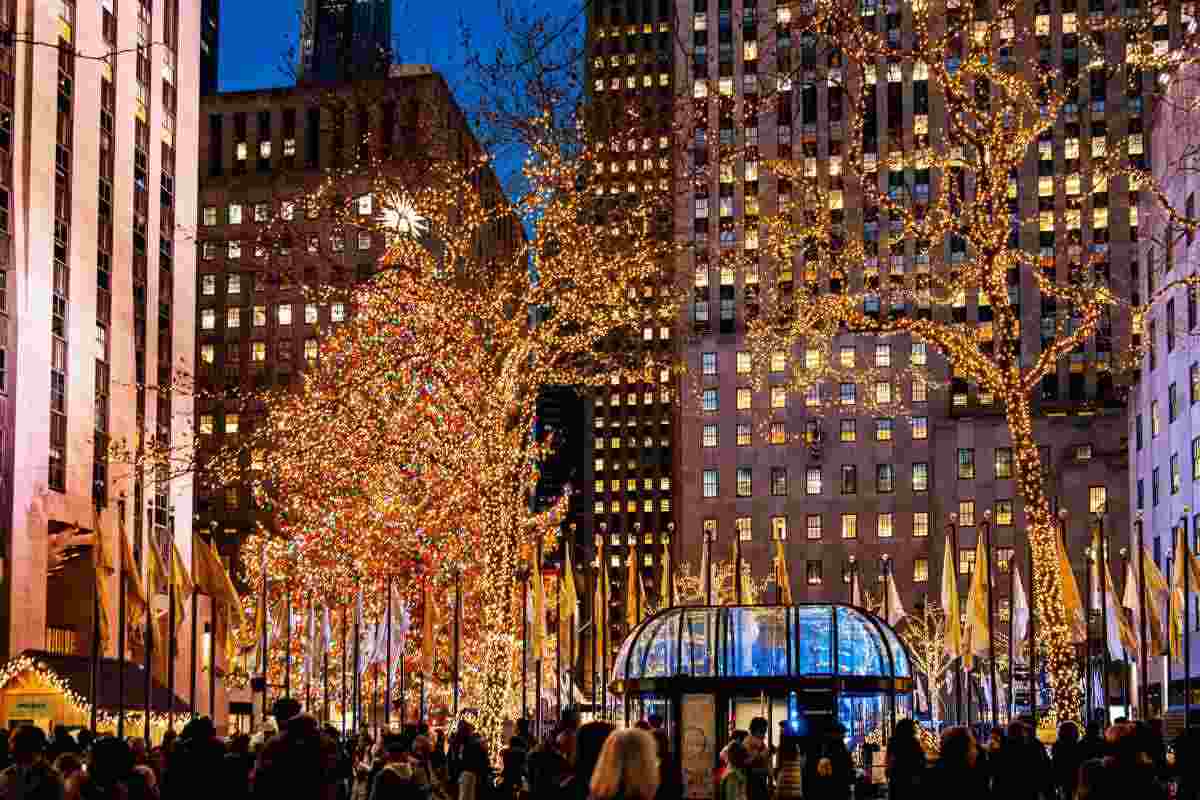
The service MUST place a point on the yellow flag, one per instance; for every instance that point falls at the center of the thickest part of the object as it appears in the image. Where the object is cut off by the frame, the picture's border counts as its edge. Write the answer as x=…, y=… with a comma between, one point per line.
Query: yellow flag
x=135, y=596
x=631, y=590
x=103, y=568
x=666, y=592
x=977, y=632
x=1072, y=602
x=600, y=602
x=782, y=578
x=428, y=612
x=950, y=603
x=539, y=614
x=225, y=592
x=1184, y=570
x=568, y=598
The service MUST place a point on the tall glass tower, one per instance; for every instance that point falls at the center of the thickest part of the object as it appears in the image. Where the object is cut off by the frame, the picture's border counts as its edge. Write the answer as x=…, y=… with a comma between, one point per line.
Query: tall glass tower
x=342, y=40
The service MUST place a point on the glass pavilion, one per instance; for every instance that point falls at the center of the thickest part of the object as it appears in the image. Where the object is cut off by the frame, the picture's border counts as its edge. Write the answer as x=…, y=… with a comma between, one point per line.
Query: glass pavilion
x=708, y=670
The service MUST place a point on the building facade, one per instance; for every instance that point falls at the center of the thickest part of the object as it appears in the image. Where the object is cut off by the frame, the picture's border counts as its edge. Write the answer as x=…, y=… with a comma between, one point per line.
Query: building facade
x=840, y=484
x=342, y=40
x=1164, y=419
x=210, y=41
x=98, y=198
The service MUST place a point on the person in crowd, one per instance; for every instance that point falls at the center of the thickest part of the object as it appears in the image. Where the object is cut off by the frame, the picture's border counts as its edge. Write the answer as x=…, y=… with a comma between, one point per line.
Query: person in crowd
x=1092, y=745
x=547, y=769
x=437, y=756
x=85, y=738
x=236, y=768
x=469, y=767
x=1187, y=765
x=956, y=772
x=758, y=768
x=1128, y=770
x=737, y=737
x=589, y=742
x=905, y=762
x=789, y=777
x=61, y=742
x=627, y=768
x=1066, y=757
x=394, y=781
x=30, y=776
x=735, y=782
x=299, y=764
x=670, y=780
x=68, y=764
x=196, y=762
x=109, y=774
x=512, y=767
x=828, y=768
x=1156, y=747
x=1016, y=770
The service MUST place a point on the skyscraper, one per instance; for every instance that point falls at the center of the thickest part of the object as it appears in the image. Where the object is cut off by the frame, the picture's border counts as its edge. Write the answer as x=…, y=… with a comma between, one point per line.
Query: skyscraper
x=97, y=179
x=210, y=40
x=342, y=40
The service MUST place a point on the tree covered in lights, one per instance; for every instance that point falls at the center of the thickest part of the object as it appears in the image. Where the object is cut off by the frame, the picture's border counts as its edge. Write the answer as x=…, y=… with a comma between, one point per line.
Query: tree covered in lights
x=922, y=243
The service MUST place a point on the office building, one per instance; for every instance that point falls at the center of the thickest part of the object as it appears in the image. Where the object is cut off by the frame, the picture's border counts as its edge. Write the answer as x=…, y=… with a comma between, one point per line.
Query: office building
x=1164, y=418
x=342, y=40
x=97, y=196
x=210, y=41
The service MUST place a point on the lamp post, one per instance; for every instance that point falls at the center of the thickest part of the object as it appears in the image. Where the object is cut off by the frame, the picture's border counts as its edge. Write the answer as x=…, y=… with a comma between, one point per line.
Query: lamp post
x=709, y=538
x=1090, y=560
x=851, y=573
x=1186, y=555
x=1143, y=643
x=884, y=563
x=1125, y=687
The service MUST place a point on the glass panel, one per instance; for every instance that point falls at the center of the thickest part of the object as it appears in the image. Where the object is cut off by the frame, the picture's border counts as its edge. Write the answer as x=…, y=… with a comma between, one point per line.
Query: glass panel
x=814, y=635
x=641, y=639
x=661, y=657
x=618, y=672
x=899, y=654
x=860, y=648
x=758, y=642
x=699, y=628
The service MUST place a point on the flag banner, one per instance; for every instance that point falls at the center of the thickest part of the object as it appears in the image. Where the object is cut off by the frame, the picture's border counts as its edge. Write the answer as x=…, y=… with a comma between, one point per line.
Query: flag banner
x=895, y=609
x=1072, y=601
x=782, y=577
x=953, y=638
x=666, y=592
x=567, y=594
x=538, y=620
x=632, y=589
x=1020, y=613
x=977, y=633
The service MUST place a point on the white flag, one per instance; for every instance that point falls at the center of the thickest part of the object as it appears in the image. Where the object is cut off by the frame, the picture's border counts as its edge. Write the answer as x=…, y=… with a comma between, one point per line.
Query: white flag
x=856, y=599
x=310, y=640
x=1020, y=611
x=895, y=610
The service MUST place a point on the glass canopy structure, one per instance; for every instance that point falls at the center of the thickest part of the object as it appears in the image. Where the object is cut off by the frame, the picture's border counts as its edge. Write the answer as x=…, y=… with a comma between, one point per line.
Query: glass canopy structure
x=816, y=642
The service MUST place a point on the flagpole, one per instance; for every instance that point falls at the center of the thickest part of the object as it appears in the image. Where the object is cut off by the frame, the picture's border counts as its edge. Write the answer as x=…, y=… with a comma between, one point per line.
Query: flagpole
x=387, y=683
x=671, y=564
x=1012, y=602
x=952, y=529
x=120, y=630
x=707, y=571
x=403, y=689
x=94, y=667
x=325, y=684
x=212, y=662
x=1144, y=677
x=287, y=642
x=1033, y=682
x=148, y=644
x=171, y=618
x=525, y=646
x=1104, y=588
x=308, y=665
x=1187, y=622
x=595, y=584
x=850, y=585
x=457, y=634
x=537, y=678
x=265, y=655
x=192, y=655
x=991, y=610
x=1088, y=689
x=357, y=701
x=345, y=625
x=558, y=642
x=737, y=567
x=1126, y=688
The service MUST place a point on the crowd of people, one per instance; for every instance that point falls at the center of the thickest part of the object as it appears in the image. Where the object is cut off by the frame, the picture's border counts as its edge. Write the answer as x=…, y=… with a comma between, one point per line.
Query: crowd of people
x=592, y=761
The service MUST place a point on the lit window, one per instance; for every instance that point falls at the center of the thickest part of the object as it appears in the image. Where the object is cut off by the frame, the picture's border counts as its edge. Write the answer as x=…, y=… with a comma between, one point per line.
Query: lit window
x=920, y=524
x=812, y=481
x=310, y=314
x=1098, y=498
x=208, y=284
x=778, y=433
x=710, y=483
x=744, y=482
x=812, y=358
x=232, y=422
x=233, y=249
x=1004, y=512
x=364, y=240
x=920, y=427
x=743, y=398
x=744, y=436
x=848, y=394
x=208, y=319
x=208, y=354
x=883, y=526
x=919, y=390
x=778, y=397
x=337, y=312
x=966, y=463
x=778, y=361
x=779, y=529
x=743, y=362
x=920, y=476
x=883, y=355
x=1154, y=420
x=206, y=423
x=284, y=314
x=208, y=216
x=966, y=513
x=287, y=210
x=708, y=363
x=883, y=392
x=709, y=437
x=884, y=429
x=233, y=317
x=848, y=430
x=258, y=316
x=921, y=570
x=258, y=351
x=310, y=350
x=779, y=482
x=235, y=213
x=743, y=526
x=846, y=355
x=812, y=526
x=812, y=573
x=1004, y=463
x=885, y=478
x=849, y=526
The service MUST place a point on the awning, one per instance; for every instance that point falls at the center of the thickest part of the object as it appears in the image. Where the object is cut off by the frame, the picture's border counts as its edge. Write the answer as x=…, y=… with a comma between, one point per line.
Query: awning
x=76, y=671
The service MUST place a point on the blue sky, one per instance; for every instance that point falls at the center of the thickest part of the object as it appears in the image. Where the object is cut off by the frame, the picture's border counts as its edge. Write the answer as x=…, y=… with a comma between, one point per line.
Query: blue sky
x=257, y=34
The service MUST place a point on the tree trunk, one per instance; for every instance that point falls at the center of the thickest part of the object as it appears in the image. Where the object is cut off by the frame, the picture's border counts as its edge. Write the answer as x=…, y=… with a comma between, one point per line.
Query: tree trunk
x=1053, y=626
